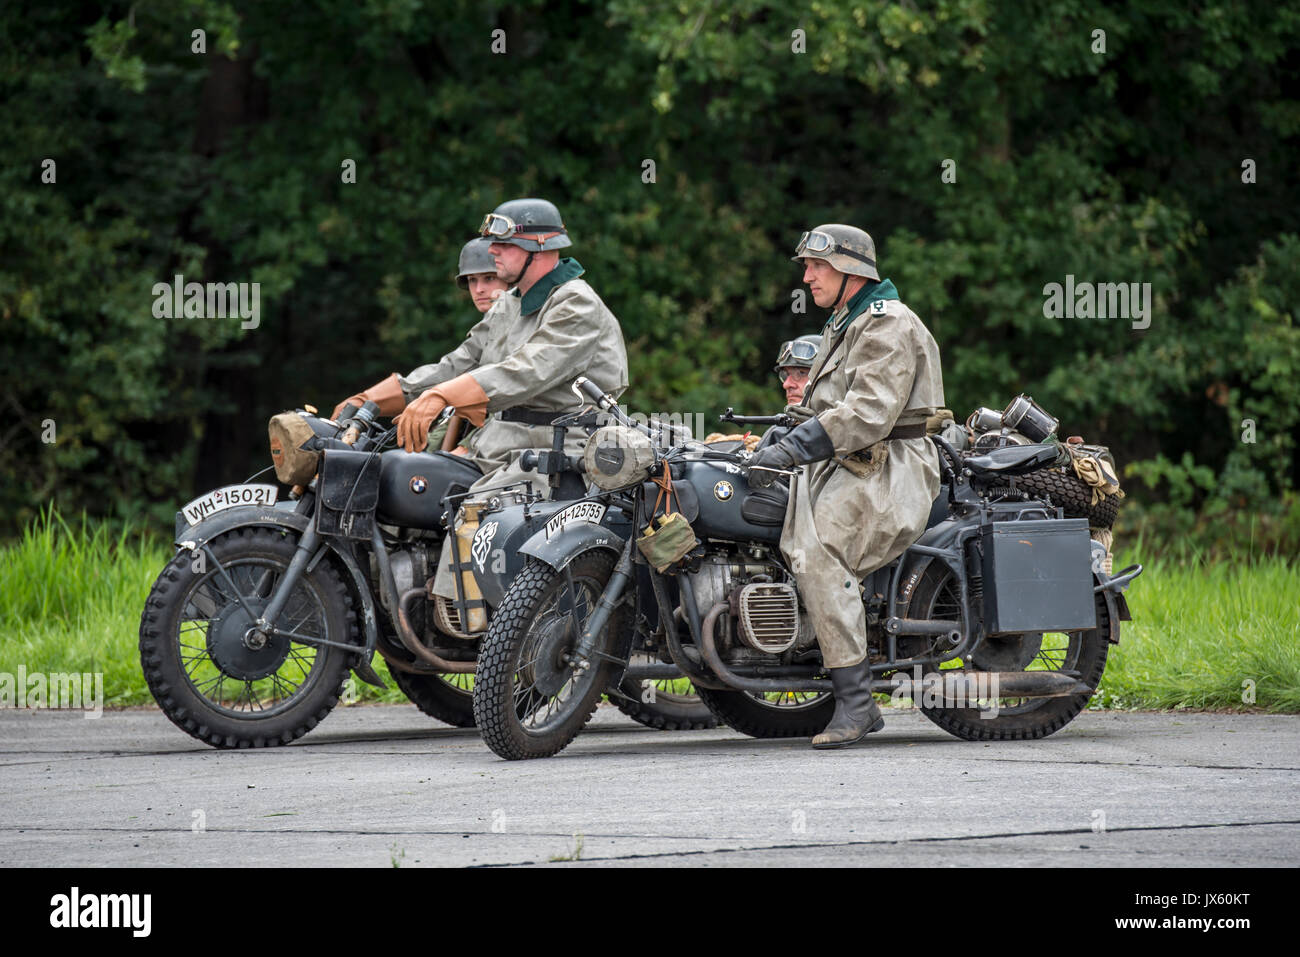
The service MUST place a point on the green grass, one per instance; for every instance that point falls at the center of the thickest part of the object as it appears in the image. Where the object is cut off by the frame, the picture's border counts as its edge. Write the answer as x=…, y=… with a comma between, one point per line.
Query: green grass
x=1201, y=630
x=71, y=596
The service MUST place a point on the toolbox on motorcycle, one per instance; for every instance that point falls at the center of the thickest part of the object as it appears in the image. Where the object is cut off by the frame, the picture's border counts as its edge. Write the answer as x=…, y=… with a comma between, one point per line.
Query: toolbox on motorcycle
x=348, y=493
x=1037, y=576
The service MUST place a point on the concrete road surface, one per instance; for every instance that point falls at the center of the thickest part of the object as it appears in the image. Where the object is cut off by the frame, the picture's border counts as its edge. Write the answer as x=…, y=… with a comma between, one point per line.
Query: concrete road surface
x=374, y=785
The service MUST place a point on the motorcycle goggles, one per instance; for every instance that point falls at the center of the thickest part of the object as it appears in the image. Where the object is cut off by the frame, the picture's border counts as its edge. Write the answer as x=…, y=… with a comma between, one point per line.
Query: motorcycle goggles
x=800, y=350
x=496, y=226
x=822, y=244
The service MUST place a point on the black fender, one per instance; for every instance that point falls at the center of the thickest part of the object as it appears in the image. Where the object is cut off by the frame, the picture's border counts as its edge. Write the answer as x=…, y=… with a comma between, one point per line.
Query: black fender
x=576, y=538
x=286, y=517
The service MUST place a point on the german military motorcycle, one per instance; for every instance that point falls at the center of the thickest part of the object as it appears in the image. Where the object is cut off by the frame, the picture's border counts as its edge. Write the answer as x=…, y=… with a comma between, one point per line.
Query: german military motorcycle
x=249, y=633
x=996, y=622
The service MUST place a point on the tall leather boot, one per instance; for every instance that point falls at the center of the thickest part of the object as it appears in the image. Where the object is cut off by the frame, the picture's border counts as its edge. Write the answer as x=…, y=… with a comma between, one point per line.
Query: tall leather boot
x=856, y=712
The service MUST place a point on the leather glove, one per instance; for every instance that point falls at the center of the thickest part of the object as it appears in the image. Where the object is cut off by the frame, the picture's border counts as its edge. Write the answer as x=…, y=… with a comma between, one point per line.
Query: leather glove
x=462, y=392
x=387, y=395
x=800, y=413
x=772, y=457
x=807, y=442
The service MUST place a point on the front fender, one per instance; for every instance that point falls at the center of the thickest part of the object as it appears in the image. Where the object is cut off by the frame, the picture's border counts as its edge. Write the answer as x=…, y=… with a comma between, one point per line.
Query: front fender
x=286, y=517
x=571, y=542
x=283, y=515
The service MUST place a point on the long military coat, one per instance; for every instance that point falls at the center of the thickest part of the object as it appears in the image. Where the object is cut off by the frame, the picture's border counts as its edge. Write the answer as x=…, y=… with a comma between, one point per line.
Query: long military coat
x=839, y=527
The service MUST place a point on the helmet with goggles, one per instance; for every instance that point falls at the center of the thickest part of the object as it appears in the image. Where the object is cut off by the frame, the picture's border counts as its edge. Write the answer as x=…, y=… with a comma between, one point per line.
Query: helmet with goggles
x=798, y=353
x=532, y=224
x=848, y=249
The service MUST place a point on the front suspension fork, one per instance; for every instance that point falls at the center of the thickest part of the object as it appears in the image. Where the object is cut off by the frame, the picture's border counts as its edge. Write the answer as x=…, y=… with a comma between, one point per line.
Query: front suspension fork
x=609, y=600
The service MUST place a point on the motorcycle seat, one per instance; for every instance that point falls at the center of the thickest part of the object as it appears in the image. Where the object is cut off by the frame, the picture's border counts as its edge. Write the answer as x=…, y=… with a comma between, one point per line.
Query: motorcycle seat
x=1012, y=460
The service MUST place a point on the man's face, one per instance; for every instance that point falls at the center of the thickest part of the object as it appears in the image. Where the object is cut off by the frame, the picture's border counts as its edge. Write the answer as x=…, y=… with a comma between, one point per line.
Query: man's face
x=794, y=379
x=509, y=259
x=823, y=281
x=484, y=287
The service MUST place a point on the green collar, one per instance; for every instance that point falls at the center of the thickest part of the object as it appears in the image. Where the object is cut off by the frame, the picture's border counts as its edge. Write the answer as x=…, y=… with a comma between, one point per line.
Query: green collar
x=535, y=298
x=858, y=304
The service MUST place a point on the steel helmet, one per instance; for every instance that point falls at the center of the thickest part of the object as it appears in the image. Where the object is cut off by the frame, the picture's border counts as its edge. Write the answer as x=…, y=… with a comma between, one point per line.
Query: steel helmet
x=532, y=224
x=801, y=352
x=474, y=259
x=848, y=249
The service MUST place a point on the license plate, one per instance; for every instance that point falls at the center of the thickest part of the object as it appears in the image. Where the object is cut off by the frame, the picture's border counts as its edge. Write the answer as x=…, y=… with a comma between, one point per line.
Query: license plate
x=229, y=496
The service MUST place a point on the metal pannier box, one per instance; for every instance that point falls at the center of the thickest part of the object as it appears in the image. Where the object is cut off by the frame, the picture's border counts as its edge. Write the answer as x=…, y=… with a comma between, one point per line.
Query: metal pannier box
x=1037, y=576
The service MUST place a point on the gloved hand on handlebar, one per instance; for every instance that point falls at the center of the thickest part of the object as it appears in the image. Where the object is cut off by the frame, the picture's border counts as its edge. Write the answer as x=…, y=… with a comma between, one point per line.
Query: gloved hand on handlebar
x=805, y=443
x=462, y=392
x=387, y=395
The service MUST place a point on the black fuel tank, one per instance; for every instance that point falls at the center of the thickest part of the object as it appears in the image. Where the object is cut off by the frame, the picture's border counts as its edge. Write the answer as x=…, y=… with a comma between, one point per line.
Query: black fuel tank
x=412, y=484
x=728, y=508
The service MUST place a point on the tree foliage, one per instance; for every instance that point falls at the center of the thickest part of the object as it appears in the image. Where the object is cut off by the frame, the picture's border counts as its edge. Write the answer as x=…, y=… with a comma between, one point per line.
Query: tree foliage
x=1119, y=164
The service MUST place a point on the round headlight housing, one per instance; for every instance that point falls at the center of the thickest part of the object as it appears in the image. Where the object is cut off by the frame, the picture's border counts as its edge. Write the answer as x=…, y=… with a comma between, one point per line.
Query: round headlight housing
x=617, y=456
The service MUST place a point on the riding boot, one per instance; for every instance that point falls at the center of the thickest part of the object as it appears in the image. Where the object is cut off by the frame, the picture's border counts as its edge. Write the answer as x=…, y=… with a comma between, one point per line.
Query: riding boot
x=856, y=712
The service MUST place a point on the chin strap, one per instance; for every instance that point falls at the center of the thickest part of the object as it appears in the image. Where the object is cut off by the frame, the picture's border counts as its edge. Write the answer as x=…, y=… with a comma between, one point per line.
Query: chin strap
x=839, y=296
x=527, y=263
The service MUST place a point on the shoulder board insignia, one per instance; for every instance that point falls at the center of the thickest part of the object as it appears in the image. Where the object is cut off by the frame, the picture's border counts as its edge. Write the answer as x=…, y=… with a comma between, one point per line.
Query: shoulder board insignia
x=878, y=307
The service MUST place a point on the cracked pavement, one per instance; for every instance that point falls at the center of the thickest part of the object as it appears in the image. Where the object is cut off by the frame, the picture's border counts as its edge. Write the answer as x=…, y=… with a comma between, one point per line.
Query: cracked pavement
x=374, y=785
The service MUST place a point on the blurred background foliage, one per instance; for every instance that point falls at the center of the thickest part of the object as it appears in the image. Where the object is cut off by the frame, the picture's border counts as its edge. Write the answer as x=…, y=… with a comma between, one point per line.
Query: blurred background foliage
x=1117, y=166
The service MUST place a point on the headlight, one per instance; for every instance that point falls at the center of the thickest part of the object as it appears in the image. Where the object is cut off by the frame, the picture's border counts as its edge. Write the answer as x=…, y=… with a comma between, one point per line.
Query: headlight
x=617, y=456
x=289, y=432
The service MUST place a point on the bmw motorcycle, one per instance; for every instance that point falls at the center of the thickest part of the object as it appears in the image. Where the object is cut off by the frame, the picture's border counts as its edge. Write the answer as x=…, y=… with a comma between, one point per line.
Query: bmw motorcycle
x=249, y=633
x=996, y=621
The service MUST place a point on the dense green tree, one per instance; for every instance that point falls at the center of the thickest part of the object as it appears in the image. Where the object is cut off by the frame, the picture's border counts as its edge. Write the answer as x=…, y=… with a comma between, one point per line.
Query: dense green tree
x=991, y=148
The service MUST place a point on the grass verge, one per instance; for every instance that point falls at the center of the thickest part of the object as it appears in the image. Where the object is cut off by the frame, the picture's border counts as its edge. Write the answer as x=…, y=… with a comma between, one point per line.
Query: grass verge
x=1205, y=635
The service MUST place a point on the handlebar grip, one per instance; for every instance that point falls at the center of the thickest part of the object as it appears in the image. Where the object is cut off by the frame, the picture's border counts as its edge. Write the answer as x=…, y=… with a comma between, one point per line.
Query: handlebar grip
x=348, y=412
x=590, y=390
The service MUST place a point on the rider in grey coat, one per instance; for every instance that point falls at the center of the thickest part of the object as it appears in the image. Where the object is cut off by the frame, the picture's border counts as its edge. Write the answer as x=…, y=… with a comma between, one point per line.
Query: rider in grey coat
x=870, y=475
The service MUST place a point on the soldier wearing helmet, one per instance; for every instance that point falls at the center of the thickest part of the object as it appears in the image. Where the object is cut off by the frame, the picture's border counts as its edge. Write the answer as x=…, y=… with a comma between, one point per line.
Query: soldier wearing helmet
x=793, y=363
x=870, y=474
x=512, y=375
x=476, y=273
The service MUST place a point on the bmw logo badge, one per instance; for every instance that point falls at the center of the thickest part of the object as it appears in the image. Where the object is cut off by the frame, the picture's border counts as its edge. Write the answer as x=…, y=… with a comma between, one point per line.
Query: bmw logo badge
x=722, y=491
x=419, y=484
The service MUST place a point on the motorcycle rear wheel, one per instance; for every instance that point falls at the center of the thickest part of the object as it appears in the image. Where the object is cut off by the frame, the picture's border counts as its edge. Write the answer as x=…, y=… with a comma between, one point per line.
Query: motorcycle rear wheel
x=449, y=698
x=671, y=707
x=1018, y=719
x=190, y=644
x=777, y=714
x=529, y=702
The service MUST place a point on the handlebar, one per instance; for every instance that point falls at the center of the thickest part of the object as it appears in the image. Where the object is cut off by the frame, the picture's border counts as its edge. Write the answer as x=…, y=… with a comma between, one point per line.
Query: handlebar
x=781, y=418
x=361, y=419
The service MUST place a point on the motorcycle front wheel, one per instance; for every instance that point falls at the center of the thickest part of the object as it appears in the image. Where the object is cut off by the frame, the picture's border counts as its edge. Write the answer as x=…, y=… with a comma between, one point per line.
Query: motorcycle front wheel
x=529, y=699
x=206, y=675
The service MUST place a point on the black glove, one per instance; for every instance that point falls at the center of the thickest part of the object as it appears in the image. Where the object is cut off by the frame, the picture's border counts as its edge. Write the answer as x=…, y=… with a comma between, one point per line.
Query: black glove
x=772, y=457
x=807, y=442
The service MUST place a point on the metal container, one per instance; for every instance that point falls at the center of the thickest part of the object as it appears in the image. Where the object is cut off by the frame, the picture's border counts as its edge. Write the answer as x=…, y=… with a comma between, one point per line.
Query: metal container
x=984, y=420
x=1030, y=419
x=1037, y=576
